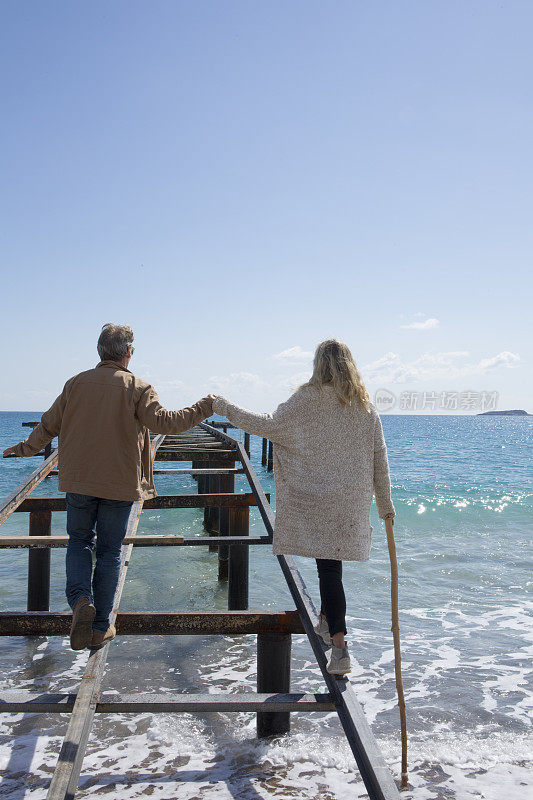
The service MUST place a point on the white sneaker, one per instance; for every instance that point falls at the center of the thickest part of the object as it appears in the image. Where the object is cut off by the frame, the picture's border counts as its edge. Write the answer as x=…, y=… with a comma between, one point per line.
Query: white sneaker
x=322, y=629
x=339, y=661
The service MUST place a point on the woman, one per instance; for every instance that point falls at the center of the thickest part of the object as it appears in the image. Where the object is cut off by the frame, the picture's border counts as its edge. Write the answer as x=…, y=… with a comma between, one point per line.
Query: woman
x=329, y=459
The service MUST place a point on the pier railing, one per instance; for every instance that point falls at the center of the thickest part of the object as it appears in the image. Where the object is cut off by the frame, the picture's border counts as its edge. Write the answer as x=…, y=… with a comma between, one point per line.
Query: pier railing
x=214, y=455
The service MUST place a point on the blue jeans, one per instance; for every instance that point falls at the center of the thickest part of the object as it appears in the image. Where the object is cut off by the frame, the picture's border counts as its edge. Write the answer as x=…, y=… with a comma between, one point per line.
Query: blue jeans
x=110, y=517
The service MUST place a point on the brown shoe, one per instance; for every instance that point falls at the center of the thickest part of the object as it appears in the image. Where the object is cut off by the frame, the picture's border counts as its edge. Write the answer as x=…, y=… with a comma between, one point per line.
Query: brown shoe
x=99, y=638
x=82, y=624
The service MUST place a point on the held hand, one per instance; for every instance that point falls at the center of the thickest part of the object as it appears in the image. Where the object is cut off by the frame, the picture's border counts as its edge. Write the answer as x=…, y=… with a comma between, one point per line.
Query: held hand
x=10, y=451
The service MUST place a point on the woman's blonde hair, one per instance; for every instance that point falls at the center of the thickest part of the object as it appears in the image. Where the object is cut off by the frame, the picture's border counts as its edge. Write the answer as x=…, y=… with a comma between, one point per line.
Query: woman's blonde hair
x=334, y=365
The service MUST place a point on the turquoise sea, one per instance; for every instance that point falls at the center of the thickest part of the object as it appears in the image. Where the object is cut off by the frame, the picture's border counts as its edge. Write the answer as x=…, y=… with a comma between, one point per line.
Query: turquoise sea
x=463, y=493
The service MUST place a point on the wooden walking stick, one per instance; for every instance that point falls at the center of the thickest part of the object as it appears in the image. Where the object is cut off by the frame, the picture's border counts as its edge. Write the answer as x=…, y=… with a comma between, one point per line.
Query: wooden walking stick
x=395, y=628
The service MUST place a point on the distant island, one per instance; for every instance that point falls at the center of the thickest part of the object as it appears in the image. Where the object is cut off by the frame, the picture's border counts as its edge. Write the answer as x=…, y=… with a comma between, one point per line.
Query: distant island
x=516, y=412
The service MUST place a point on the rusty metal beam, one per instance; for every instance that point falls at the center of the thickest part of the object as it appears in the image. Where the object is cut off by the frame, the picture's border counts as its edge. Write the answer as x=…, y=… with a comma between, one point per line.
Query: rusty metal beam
x=219, y=500
x=197, y=442
x=157, y=623
x=201, y=471
x=177, y=471
x=39, y=562
x=39, y=542
x=158, y=540
x=195, y=455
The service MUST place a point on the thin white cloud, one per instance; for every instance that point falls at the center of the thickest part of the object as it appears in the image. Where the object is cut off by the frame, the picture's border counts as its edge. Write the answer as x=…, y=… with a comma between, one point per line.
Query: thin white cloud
x=293, y=354
x=391, y=368
x=503, y=359
x=296, y=380
x=238, y=381
x=426, y=325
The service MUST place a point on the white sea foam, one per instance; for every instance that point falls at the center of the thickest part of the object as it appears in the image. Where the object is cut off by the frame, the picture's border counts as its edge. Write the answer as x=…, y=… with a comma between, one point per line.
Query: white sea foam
x=190, y=758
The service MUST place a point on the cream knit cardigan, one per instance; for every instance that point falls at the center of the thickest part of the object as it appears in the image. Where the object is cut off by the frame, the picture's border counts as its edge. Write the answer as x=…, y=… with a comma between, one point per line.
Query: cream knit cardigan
x=329, y=460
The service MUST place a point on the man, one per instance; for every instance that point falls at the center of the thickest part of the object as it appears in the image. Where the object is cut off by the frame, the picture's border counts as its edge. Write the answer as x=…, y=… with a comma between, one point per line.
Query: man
x=103, y=418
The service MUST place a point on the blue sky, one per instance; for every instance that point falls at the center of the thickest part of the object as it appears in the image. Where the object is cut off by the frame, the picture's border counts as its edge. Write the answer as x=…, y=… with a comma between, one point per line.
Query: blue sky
x=240, y=180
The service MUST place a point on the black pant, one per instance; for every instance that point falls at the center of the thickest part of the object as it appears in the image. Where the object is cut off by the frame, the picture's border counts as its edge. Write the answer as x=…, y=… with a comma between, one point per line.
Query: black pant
x=332, y=594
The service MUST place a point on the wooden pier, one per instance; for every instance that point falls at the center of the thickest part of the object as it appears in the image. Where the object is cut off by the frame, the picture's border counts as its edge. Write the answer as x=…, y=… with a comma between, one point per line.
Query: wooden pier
x=216, y=458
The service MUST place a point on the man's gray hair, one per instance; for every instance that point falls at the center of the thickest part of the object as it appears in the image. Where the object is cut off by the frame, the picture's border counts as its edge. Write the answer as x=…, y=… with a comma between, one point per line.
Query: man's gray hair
x=114, y=341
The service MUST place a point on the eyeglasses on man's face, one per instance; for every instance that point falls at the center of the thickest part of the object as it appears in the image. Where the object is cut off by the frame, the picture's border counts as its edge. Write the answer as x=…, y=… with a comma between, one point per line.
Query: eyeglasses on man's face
x=132, y=349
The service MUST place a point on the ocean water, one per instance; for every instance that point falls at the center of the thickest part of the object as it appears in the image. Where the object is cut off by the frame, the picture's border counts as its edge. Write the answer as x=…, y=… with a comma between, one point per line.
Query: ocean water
x=463, y=495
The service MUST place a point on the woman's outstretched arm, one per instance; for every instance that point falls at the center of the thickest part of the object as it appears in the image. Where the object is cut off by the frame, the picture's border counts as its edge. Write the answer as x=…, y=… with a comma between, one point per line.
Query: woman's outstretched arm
x=275, y=426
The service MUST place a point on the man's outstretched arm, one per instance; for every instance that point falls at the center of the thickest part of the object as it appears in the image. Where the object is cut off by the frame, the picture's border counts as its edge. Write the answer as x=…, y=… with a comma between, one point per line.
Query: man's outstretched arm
x=159, y=420
x=47, y=429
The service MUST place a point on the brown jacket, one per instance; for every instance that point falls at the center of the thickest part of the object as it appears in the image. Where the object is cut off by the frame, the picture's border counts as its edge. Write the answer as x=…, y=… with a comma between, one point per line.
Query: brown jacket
x=103, y=417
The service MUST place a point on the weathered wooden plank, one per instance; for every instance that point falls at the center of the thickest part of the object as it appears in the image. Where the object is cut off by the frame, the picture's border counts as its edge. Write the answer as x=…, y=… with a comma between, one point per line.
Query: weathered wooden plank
x=111, y=703
x=12, y=502
x=218, y=500
x=157, y=623
x=67, y=772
